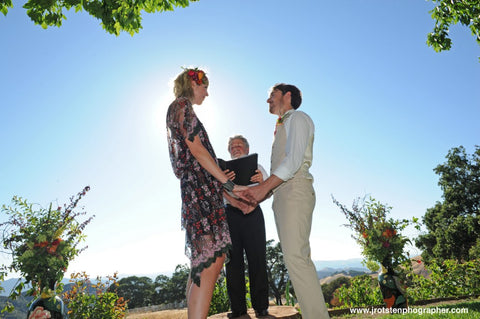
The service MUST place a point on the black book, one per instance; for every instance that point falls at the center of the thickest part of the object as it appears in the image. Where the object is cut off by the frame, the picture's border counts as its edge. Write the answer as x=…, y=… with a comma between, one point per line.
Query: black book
x=244, y=168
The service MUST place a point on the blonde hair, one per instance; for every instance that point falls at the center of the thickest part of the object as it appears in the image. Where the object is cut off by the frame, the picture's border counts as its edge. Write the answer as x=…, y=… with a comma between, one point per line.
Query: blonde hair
x=182, y=85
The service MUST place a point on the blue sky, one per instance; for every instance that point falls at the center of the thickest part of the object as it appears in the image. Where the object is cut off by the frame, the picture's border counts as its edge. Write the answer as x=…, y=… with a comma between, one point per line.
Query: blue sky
x=83, y=107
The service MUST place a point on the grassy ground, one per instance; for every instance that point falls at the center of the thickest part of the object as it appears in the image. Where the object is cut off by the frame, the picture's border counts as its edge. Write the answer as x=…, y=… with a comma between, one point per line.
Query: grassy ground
x=442, y=310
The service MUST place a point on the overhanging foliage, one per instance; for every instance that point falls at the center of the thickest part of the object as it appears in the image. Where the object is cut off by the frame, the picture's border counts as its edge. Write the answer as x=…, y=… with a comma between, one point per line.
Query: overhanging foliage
x=115, y=16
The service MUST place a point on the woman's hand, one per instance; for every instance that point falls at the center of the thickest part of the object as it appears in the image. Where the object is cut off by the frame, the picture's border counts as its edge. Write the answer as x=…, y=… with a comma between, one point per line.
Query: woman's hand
x=245, y=207
x=230, y=174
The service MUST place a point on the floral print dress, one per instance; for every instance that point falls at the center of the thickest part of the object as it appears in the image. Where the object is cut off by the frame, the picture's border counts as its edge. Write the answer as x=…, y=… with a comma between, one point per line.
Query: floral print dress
x=203, y=215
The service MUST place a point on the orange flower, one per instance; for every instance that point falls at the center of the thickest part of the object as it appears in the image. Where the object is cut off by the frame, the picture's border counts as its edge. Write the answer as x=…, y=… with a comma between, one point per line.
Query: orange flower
x=389, y=233
x=42, y=244
x=53, y=248
x=364, y=234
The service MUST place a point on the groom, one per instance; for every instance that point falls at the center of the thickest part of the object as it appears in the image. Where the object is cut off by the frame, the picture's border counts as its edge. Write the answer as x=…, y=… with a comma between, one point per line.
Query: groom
x=293, y=195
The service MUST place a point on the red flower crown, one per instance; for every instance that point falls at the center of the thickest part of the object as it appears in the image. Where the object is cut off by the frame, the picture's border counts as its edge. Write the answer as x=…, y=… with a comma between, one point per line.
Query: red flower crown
x=197, y=75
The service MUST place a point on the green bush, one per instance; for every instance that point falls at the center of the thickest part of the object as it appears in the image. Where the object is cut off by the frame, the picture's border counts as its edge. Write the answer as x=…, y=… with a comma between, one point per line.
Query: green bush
x=330, y=288
x=100, y=303
x=220, y=302
x=449, y=278
x=363, y=291
x=290, y=298
x=42, y=242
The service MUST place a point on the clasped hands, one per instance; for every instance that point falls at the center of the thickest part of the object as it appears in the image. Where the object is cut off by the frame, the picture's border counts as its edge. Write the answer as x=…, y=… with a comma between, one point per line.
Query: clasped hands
x=247, y=197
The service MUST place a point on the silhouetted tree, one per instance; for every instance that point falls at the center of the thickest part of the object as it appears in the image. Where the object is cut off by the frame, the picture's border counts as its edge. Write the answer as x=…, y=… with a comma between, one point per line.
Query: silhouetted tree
x=168, y=290
x=453, y=225
x=138, y=291
x=276, y=271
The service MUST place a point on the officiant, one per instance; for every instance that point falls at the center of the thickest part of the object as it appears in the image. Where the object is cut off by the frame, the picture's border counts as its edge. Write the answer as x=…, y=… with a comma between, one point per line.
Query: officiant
x=247, y=231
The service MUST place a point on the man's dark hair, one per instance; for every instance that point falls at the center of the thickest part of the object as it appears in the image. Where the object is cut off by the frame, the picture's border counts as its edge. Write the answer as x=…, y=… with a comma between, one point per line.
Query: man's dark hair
x=294, y=91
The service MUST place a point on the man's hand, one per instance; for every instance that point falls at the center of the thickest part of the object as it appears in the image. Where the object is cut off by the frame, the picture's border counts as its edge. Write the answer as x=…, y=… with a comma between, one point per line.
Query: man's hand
x=242, y=192
x=257, y=178
x=256, y=193
x=261, y=191
x=244, y=206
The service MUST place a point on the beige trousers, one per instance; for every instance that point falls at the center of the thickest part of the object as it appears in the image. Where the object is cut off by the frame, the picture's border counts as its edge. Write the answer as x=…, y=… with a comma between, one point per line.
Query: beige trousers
x=293, y=204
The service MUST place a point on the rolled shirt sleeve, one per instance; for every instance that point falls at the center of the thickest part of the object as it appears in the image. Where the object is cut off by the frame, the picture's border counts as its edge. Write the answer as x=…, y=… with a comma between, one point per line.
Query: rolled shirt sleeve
x=300, y=129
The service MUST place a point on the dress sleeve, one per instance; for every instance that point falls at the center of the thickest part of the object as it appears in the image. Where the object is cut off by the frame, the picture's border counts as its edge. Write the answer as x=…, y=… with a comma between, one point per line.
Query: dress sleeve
x=182, y=123
x=191, y=124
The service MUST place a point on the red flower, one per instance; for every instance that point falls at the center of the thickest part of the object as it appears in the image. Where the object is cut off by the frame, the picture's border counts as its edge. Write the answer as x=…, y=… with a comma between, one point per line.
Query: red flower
x=196, y=75
x=389, y=233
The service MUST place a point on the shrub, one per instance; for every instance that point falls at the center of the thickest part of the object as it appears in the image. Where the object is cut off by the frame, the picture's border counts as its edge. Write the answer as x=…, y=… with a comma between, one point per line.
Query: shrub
x=42, y=242
x=220, y=302
x=330, y=288
x=363, y=291
x=449, y=278
x=93, y=301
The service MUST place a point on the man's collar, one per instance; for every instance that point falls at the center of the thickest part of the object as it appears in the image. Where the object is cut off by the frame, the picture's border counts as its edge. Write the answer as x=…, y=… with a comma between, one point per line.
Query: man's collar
x=282, y=118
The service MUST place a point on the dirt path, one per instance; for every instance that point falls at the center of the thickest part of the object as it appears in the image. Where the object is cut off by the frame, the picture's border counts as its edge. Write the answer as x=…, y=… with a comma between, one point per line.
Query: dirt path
x=164, y=314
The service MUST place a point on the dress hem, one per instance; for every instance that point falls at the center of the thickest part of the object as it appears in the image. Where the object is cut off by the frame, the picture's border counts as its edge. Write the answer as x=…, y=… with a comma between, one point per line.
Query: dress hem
x=197, y=270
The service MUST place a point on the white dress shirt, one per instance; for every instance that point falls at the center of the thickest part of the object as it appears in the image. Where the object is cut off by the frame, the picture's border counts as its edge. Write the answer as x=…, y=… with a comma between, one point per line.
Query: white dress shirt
x=300, y=131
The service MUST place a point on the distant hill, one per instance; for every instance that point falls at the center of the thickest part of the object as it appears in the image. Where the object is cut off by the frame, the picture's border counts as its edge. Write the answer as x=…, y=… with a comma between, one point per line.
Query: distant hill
x=349, y=267
x=353, y=263
x=329, y=279
x=8, y=285
x=327, y=275
x=20, y=307
x=325, y=268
